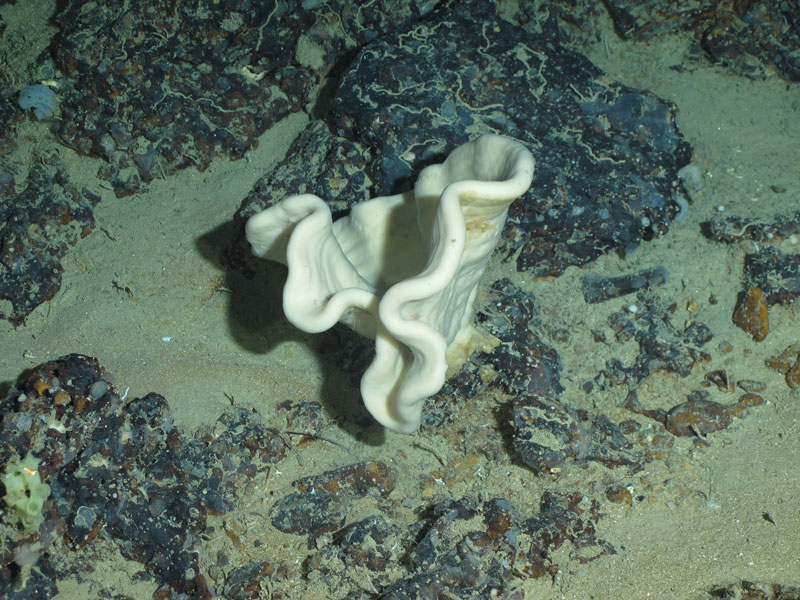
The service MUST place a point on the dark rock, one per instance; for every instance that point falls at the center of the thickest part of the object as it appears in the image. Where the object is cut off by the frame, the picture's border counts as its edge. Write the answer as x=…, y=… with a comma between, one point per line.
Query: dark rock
x=735, y=229
x=662, y=346
x=244, y=583
x=302, y=415
x=39, y=583
x=175, y=85
x=322, y=503
x=755, y=591
x=351, y=482
x=10, y=116
x=525, y=364
x=37, y=227
x=307, y=513
x=775, y=273
x=123, y=468
x=478, y=549
x=606, y=155
x=240, y=435
x=548, y=434
x=750, y=38
x=599, y=288
x=365, y=544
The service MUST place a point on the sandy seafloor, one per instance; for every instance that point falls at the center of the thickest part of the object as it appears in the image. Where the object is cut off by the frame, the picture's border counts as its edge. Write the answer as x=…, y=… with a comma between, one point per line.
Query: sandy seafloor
x=701, y=521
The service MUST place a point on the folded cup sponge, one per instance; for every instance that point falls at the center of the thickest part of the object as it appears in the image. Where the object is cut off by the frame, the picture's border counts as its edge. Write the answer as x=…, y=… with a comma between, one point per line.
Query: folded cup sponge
x=401, y=269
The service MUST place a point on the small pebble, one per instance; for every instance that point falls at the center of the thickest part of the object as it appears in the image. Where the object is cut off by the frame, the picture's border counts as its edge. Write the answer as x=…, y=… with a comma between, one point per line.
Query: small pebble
x=691, y=177
x=751, y=385
x=619, y=495
x=725, y=347
x=98, y=389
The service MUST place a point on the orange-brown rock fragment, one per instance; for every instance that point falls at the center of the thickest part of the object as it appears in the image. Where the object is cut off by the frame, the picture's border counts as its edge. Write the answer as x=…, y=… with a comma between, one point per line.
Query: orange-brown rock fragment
x=745, y=401
x=784, y=361
x=788, y=363
x=751, y=314
x=793, y=376
x=697, y=417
